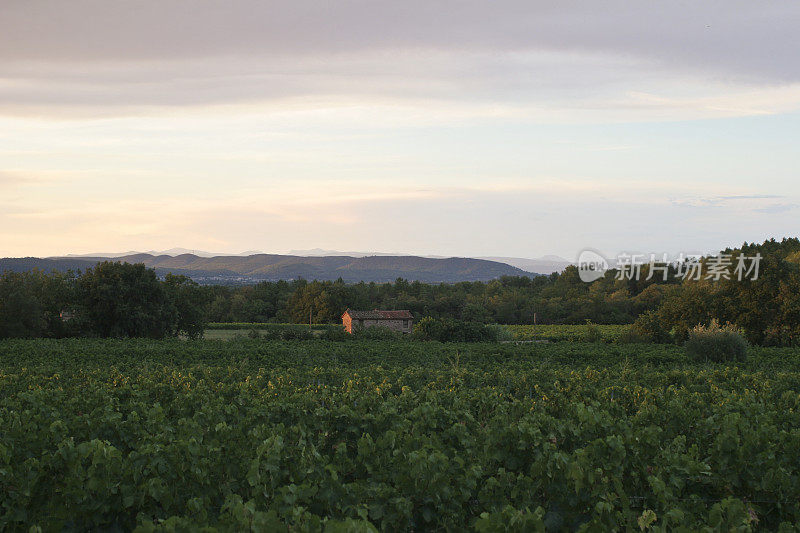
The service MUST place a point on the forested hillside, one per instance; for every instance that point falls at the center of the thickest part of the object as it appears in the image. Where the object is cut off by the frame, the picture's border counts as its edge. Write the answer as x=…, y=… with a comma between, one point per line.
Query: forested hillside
x=262, y=267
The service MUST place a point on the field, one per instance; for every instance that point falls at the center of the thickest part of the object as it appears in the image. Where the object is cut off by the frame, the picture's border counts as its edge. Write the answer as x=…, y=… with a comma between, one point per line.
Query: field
x=565, y=332
x=229, y=334
x=265, y=326
x=232, y=330
x=547, y=332
x=396, y=436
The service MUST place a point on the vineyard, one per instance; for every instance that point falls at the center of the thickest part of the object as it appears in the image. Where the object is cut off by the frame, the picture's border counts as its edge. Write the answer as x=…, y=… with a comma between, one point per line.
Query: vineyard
x=266, y=326
x=233, y=330
x=566, y=332
x=541, y=332
x=394, y=436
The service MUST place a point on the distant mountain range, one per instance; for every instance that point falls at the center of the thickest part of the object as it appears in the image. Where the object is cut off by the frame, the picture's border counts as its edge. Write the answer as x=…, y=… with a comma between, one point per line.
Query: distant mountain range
x=258, y=267
x=543, y=265
x=171, y=251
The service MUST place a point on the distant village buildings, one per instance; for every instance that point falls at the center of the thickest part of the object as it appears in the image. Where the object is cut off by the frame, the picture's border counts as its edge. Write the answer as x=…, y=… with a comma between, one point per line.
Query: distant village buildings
x=402, y=321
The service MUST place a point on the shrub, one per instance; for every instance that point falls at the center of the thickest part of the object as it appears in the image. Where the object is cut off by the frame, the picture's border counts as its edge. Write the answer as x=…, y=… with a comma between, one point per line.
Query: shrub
x=376, y=333
x=781, y=335
x=716, y=343
x=633, y=336
x=449, y=330
x=593, y=333
x=335, y=334
x=500, y=332
x=429, y=329
x=650, y=326
x=254, y=334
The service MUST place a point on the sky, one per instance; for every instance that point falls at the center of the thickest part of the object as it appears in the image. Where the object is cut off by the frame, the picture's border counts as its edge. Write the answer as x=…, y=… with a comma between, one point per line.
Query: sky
x=465, y=128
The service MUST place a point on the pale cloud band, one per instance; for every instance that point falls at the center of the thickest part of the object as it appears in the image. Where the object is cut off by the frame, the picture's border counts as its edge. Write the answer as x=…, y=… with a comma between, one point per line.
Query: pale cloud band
x=539, y=60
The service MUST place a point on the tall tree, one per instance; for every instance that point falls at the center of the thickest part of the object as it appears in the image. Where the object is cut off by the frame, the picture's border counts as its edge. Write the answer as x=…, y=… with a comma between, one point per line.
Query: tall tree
x=188, y=302
x=124, y=300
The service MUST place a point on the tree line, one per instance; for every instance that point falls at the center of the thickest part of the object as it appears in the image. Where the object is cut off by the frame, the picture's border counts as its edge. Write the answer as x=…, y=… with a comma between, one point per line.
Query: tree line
x=560, y=298
x=765, y=308
x=123, y=300
x=109, y=300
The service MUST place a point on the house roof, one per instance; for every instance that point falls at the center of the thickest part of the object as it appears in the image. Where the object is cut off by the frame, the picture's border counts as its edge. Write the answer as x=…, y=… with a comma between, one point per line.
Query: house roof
x=377, y=314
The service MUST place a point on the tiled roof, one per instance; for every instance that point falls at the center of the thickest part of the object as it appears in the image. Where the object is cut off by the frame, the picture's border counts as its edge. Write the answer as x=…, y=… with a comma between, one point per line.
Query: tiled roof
x=377, y=314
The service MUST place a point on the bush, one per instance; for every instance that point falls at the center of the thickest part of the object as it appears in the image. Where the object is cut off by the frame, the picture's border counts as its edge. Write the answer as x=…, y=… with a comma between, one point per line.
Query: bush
x=716, y=343
x=449, y=330
x=501, y=333
x=376, y=333
x=335, y=334
x=593, y=333
x=650, y=326
x=781, y=335
x=633, y=336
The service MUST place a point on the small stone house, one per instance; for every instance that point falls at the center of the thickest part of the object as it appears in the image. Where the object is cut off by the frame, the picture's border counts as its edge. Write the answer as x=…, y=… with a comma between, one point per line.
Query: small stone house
x=402, y=321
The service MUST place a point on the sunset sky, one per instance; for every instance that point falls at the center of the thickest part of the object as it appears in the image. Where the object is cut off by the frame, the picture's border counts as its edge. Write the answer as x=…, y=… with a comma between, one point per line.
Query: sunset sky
x=507, y=128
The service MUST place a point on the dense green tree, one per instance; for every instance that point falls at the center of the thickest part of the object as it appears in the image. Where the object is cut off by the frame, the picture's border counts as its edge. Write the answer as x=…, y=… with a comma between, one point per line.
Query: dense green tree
x=31, y=304
x=21, y=312
x=766, y=308
x=124, y=300
x=189, y=305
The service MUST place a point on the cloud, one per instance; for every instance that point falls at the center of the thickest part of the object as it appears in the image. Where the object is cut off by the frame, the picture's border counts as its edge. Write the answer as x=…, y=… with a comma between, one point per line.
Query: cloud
x=750, y=197
x=534, y=60
x=736, y=102
x=417, y=85
x=725, y=201
x=733, y=36
x=777, y=208
x=14, y=179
